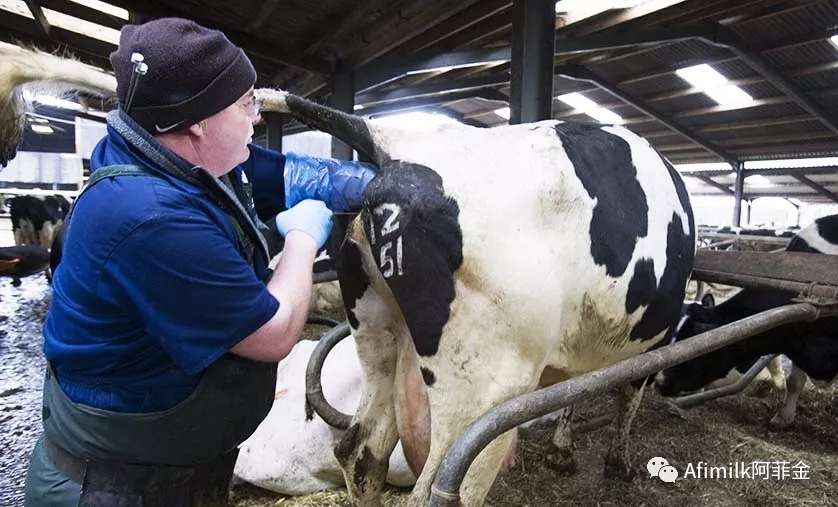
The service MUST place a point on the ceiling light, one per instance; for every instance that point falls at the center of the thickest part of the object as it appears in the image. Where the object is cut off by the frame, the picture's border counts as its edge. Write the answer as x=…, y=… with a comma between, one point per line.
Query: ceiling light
x=42, y=129
x=834, y=40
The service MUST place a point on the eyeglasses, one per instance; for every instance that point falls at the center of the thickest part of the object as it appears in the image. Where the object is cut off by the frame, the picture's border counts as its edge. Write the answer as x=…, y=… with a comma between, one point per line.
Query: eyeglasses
x=251, y=105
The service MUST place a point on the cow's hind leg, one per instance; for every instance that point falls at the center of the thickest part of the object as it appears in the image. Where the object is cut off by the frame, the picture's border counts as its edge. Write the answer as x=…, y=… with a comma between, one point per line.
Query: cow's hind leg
x=560, y=454
x=617, y=462
x=365, y=449
x=463, y=389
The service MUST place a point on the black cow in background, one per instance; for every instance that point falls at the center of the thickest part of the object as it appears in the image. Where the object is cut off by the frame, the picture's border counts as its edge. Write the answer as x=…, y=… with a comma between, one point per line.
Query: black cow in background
x=36, y=221
x=812, y=347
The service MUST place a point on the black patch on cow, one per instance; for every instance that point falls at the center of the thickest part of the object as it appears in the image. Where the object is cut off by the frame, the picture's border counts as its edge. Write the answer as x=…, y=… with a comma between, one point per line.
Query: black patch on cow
x=365, y=464
x=798, y=244
x=828, y=228
x=347, y=444
x=353, y=279
x=664, y=304
x=416, y=240
x=428, y=376
x=603, y=164
x=642, y=285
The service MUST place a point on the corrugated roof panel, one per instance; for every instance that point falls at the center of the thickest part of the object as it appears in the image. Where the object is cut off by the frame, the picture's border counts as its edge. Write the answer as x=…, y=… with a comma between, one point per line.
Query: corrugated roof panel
x=821, y=80
x=790, y=23
x=687, y=51
x=814, y=52
x=743, y=114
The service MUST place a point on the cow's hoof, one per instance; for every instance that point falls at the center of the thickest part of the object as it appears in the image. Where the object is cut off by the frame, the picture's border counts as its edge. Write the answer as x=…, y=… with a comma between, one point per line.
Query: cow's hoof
x=560, y=460
x=779, y=423
x=617, y=469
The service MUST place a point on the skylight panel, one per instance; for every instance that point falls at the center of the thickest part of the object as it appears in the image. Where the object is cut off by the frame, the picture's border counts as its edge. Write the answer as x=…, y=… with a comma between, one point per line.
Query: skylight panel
x=503, y=112
x=591, y=108
x=67, y=22
x=714, y=85
x=104, y=7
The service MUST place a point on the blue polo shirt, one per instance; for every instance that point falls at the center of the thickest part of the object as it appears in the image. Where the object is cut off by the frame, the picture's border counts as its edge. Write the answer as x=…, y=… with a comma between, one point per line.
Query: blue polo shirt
x=152, y=287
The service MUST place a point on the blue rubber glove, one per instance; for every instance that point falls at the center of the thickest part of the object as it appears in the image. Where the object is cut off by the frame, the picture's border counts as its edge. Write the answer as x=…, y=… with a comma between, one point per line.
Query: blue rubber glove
x=309, y=216
x=339, y=183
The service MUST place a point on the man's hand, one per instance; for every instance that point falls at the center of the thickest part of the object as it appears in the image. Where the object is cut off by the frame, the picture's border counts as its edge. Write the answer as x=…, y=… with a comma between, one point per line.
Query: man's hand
x=308, y=216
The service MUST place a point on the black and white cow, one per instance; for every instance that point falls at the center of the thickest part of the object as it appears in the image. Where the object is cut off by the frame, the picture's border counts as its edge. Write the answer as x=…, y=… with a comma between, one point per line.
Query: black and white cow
x=36, y=219
x=481, y=258
x=812, y=347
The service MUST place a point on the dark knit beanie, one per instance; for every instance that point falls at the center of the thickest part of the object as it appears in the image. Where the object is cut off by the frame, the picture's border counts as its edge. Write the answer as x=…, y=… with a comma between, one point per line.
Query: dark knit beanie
x=193, y=73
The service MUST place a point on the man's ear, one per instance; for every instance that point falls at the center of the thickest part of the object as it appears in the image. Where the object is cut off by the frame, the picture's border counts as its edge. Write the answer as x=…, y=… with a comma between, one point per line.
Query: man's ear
x=197, y=129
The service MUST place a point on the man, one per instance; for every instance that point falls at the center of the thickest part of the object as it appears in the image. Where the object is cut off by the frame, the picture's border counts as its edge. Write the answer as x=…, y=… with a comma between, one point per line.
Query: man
x=163, y=336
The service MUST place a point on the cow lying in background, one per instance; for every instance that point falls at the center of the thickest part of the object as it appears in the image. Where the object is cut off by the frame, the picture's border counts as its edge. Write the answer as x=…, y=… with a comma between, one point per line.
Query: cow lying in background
x=812, y=347
x=482, y=258
x=36, y=219
x=288, y=454
x=20, y=261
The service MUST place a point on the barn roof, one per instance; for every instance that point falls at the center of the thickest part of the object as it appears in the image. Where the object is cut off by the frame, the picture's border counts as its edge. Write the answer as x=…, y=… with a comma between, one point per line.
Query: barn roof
x=452, y=56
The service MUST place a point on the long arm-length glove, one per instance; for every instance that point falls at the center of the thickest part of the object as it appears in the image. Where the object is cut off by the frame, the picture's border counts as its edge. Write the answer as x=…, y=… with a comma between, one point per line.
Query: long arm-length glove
x=339, y=183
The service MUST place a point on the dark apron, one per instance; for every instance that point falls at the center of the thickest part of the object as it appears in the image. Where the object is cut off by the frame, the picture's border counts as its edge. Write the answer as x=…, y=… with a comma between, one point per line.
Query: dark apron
x=180, y=457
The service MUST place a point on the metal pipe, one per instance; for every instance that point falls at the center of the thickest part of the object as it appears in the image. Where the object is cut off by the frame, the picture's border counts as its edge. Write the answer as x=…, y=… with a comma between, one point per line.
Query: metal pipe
x=322, y=320
x=326, y=276
x=829, y=293
x=690, y=400
x=445, y=489
x=314, y=388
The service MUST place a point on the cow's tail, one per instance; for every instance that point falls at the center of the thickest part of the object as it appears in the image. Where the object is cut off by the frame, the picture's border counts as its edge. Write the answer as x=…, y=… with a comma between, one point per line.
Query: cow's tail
x=349, y=128
x=46, y=73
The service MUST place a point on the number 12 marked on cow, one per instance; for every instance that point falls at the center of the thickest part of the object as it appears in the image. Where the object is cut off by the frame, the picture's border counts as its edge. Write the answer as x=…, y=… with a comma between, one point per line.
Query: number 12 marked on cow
x=387, y=263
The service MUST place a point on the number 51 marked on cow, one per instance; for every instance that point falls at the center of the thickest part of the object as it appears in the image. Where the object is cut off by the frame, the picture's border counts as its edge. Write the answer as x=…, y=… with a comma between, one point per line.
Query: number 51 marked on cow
x=386, y=262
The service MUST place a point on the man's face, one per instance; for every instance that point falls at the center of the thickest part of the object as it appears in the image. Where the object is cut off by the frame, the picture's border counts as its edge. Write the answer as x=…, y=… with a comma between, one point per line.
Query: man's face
x=227, y=134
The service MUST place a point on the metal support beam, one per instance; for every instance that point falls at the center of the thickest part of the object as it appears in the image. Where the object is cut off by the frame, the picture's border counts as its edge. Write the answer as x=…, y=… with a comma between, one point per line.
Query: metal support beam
x=404, y=105
x=748, y=207
x=273, y=130
x=249, y=43
x=578, y=73
x=817, y=187
x=385, y=70
x=589, y=43
x=714, y=184
x=38, y=14
x=533, y=38
x=443, y=88
x=343, y=99
x=738, y=189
